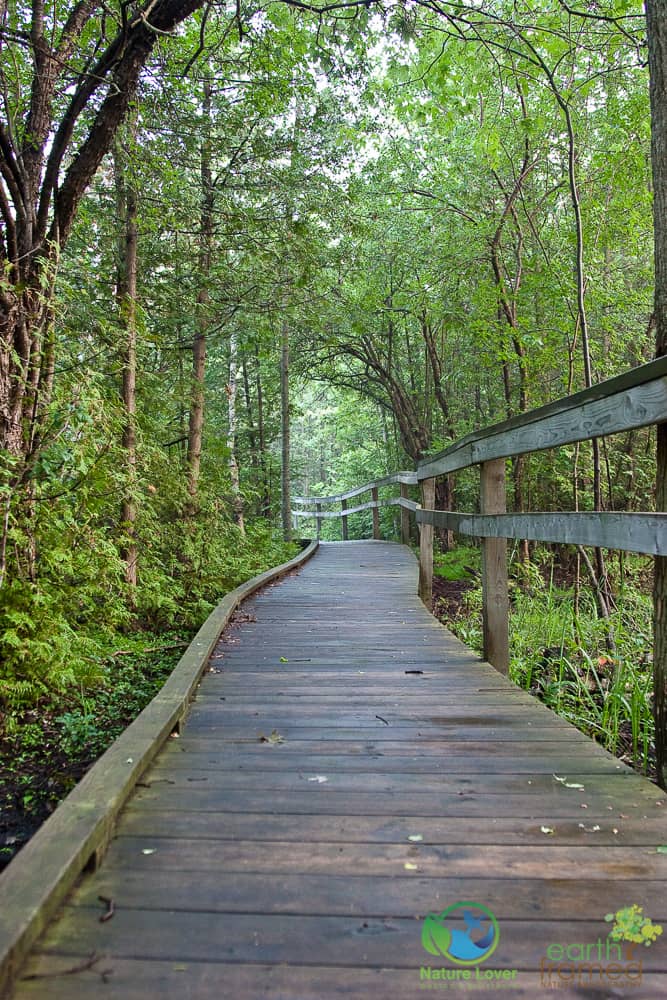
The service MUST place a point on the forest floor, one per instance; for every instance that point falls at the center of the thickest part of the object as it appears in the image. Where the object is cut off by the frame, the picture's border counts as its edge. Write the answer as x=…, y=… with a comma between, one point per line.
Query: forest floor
x=51, y=746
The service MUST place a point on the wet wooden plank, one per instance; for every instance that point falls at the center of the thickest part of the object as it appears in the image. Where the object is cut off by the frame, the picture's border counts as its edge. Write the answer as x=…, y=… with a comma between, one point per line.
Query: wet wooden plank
x=368, y=896
x=295, y=938
x=462, y=861
x=614, y=828
x=128, y=979
x=474, y=805
x=378, y=763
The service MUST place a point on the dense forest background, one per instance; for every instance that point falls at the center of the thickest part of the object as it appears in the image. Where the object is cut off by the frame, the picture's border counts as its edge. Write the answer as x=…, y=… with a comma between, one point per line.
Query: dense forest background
x=361, y=233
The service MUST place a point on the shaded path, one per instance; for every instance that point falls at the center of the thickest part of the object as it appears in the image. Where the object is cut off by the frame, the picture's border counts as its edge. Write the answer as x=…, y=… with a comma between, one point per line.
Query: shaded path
x=238, y=872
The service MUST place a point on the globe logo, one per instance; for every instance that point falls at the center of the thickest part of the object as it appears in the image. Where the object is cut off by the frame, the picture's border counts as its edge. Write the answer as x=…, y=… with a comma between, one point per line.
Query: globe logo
x=465, y=933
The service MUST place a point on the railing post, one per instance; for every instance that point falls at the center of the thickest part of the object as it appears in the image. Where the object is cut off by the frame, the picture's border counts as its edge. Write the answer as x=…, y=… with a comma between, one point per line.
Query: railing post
x=318, y=519
x=405, y=517
x=376, y=513
x=495, y=610
x=426, y=545
x=343, y=506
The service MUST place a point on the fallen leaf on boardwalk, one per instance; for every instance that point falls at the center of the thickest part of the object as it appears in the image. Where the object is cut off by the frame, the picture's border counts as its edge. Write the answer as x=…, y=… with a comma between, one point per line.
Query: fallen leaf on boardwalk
x=614, y=830
x=662, y=849
x=283, y=659
x=274, y=739
x=180, y=968
x=559, y=779
x=319, y=778
x=589, y=829
x=415, y=837
x=148, y=850
x=574, y=784
x=547, y=829
x=130, y=760
x=410, y=867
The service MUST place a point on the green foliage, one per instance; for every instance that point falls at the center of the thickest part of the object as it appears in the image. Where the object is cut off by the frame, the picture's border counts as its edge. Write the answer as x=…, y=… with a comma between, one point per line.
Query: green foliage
x=460, y=563
x=562, y=656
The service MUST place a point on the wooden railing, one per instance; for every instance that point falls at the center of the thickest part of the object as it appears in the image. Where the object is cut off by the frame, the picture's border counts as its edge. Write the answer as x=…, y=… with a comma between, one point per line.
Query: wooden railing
x=638, y=398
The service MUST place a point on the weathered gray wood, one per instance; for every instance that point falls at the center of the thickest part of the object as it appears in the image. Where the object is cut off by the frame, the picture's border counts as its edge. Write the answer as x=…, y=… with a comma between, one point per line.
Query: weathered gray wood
x=410, y=505
x=343, y=505
x=33, y=886
x=495, y=607
x=376, y=513
x=405, y=516
x=608, y=408
x=396, y=477
x=426, y=545
x=233, y=871
x=145, y=979
x=631, y=532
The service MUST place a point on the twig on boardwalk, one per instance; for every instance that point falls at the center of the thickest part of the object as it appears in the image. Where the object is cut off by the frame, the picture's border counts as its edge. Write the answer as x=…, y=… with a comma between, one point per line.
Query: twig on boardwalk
x=110, y=909
x=382, y=720
x=71, y=971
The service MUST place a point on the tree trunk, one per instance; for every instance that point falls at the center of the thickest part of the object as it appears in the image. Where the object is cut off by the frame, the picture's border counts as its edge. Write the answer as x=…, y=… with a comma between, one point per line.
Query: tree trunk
x=266, y=482
x=126, y=293
x=656, y=17
x=196, y=421
x=237, y=499
x=285, y=427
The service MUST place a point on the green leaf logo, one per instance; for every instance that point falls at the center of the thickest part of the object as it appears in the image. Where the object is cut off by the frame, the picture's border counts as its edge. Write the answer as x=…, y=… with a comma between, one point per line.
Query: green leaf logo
x=436, y=937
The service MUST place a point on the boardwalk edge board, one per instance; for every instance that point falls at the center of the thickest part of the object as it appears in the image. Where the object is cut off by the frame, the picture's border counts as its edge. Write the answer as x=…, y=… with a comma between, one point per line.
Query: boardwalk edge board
x=76, y=835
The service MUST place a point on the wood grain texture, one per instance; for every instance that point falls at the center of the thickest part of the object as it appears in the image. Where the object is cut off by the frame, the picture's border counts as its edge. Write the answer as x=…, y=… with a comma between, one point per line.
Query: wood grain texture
x=237, y=872
x=646, y=533
x=637, y=398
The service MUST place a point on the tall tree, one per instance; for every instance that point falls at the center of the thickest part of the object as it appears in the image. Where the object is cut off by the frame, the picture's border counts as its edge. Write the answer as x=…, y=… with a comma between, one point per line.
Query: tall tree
x=656, y=17
x=126, y=293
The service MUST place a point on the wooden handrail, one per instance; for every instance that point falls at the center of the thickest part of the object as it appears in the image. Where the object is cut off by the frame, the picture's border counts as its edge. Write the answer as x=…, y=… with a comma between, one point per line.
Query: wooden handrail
x=409, y=478
x=371, y=505
x=637, y=398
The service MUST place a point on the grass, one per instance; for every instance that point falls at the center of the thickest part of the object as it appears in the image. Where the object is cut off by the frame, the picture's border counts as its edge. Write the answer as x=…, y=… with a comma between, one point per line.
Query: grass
x=563, y=657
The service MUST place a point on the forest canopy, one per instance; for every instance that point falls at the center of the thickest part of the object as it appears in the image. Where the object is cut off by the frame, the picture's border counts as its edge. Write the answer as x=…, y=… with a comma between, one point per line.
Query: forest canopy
x=255, y=249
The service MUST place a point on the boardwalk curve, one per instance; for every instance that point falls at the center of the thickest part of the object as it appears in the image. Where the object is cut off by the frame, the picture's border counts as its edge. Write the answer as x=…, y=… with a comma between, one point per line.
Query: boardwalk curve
x=347, y=768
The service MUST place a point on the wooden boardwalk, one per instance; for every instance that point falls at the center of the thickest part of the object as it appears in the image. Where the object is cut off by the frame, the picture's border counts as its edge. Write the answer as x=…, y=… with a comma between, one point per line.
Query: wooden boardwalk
x=249, y=868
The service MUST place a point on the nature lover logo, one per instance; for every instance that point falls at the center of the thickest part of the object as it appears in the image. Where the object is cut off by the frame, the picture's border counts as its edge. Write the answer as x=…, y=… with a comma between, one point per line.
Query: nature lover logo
x=465, y=933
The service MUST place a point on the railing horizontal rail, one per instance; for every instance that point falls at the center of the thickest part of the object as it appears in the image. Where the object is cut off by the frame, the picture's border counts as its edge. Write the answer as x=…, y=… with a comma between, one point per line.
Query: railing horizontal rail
x=408, y=478
x=645, y=533
x=371, y=505
x=635, y=399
